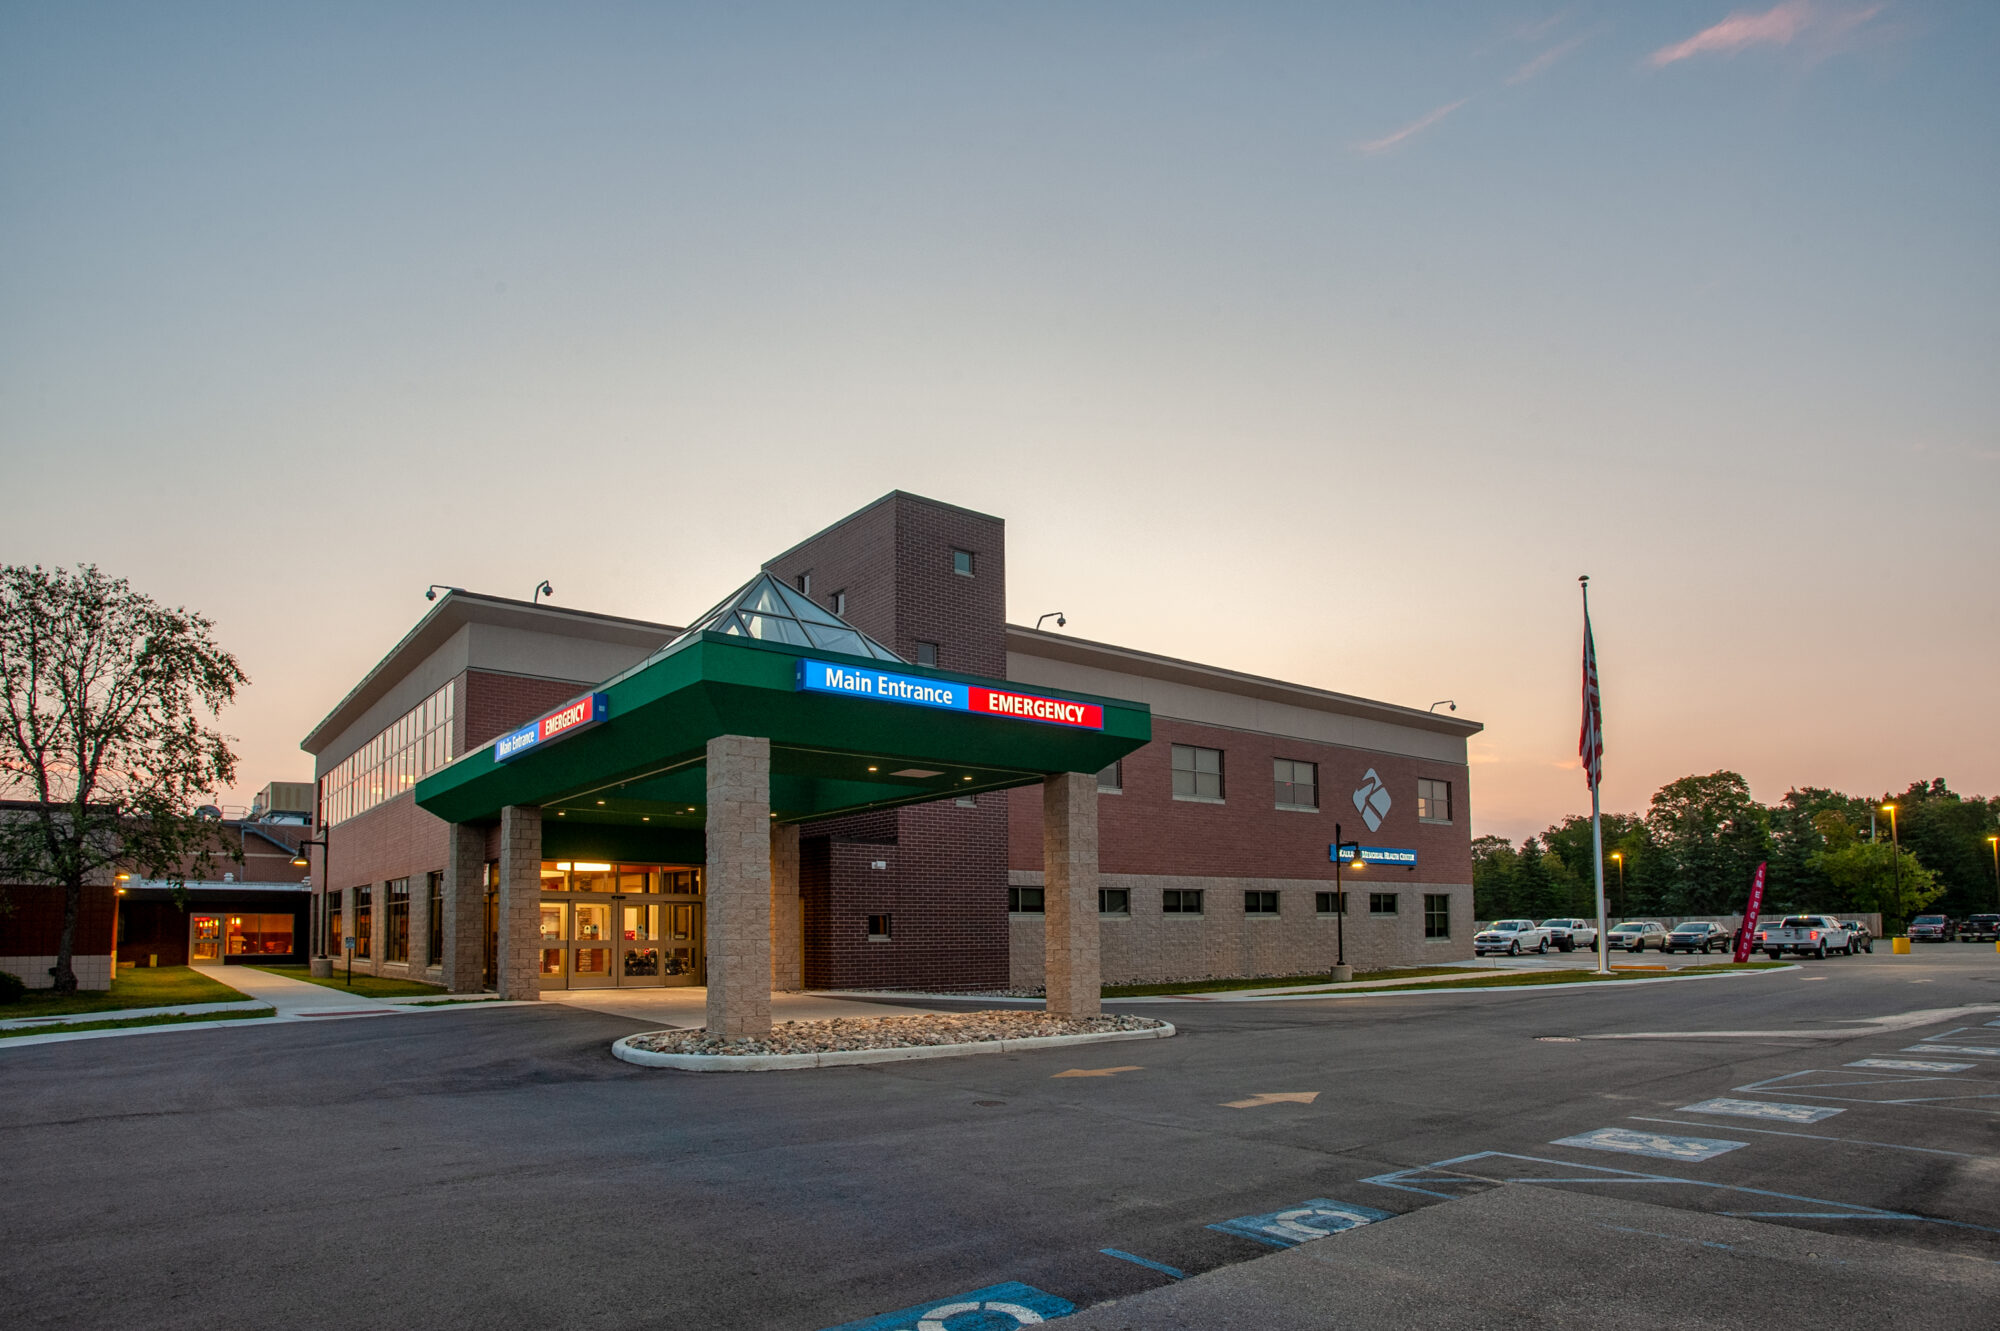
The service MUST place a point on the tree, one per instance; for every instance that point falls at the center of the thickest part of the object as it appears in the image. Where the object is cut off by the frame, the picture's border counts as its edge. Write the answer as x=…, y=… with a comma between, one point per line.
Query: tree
x=1713, y=836
x=1863, y=876
x=102, y=736
x=1493, y=862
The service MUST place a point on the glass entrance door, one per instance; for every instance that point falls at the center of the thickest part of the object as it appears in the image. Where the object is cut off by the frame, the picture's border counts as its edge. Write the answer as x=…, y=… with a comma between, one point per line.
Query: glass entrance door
x=625, y=925
x=207, y=938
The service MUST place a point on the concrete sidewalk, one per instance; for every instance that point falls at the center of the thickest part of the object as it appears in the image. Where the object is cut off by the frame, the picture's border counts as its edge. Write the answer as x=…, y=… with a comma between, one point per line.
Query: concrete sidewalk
x=294, y=998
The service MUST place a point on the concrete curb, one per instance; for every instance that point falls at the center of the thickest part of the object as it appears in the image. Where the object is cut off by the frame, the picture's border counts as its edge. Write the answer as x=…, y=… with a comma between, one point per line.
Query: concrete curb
x=60, y=1020
x=849, y=1057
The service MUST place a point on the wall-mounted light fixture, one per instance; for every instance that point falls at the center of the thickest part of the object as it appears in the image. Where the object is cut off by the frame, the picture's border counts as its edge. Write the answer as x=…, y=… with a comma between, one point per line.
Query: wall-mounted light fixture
x=543, y=589
x=431, y=592
x=1444, y=702
x=1056, y=615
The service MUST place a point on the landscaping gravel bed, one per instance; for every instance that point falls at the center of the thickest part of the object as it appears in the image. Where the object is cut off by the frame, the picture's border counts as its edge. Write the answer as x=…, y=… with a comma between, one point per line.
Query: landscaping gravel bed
x=843, y=1033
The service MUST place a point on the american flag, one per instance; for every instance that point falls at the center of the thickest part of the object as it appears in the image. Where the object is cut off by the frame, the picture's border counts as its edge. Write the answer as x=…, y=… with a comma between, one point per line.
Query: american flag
x=1590, y=747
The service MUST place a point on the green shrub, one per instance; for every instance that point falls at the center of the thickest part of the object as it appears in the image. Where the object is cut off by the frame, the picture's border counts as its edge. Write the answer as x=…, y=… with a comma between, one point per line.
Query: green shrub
x=11, y=987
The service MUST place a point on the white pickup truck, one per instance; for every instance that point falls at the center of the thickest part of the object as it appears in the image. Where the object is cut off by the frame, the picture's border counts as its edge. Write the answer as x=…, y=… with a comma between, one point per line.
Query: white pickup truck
x=1807, y=935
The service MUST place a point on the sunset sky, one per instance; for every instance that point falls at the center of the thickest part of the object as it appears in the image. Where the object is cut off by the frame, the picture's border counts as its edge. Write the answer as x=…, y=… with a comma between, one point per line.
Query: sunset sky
x=1323, y=342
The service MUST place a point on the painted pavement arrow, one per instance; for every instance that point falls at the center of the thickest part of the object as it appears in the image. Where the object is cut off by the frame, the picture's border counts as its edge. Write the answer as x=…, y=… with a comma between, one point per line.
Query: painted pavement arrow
x=1273, y=1098
x=1097, y=1072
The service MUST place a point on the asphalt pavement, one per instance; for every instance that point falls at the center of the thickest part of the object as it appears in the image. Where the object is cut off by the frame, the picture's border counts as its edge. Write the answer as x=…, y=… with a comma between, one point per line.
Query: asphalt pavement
x=495, y=1167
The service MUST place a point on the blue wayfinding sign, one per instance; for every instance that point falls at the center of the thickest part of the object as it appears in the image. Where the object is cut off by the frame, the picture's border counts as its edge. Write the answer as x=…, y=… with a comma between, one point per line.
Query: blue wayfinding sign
x=883, y=686
x=1383, y=855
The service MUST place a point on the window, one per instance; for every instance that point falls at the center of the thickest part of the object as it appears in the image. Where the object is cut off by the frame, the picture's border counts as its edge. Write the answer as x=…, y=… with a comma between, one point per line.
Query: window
x=1180, y=901
x=257, y=935
x=412, y=747
x=1024, y=901
x=1197, y=773
x=1298, y=783
x=1437, y=915
x=1114, y=901
x=927, y=653
x=878, y=928
x=805, y=583
x=967, y=801
x=1260, y=903
x=1381, y=903
x=436, y=886
x=839, y=606
x=961, y=563
x=1329, y=903
x=1112, y=778
x=330, y=912
x=1433, y=801
x=364, y=917
x=396, y=940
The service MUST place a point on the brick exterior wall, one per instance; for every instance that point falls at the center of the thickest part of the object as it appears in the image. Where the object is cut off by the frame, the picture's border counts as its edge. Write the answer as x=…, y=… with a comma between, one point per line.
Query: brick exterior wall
x=32, y=930
x=1149, y=841
x=944, y=877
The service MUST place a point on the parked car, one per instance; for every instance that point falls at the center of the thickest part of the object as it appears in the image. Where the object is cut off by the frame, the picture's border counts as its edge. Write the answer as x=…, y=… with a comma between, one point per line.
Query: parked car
x=1932, y=929
x=1697, y=936
x=1512, y=937
x=1807, y=935
x=1637, y=935
x=1980, y=929
x=1570, y=934
x=1862, y=936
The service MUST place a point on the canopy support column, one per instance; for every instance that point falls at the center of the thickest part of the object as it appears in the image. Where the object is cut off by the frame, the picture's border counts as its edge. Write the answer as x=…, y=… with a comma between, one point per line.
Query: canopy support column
x=465, y=910
x=520, y=905
x=739, y=886
x=787, y=912
x=1071, y=962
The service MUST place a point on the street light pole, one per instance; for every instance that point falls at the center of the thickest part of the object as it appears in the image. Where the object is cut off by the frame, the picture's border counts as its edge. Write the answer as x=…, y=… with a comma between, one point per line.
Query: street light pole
x=1618, y=858
x=1341, y=972
x=1994, y=841
x=1896, y=854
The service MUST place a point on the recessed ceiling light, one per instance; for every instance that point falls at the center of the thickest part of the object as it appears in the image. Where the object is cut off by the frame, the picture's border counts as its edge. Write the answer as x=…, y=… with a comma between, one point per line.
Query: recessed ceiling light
x=561, y=812
x=601, y=801
x=968, y=778
x=871, y=769
x=645, y=818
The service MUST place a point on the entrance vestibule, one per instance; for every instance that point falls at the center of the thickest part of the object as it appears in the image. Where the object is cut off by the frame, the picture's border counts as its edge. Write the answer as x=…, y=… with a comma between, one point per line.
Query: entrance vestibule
x=608, y=925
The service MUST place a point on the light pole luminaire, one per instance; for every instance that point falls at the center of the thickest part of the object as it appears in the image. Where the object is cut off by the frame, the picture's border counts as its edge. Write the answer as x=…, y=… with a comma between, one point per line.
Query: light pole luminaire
x=1896, y=859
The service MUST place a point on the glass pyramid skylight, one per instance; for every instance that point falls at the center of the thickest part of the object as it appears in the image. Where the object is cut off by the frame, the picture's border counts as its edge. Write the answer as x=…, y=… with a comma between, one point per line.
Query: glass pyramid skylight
x=765, y=608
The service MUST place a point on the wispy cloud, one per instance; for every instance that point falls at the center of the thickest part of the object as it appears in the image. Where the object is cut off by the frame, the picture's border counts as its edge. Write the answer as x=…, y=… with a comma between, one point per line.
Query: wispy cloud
x=1794, y=20
x=1540, y=64
x=1417, y=126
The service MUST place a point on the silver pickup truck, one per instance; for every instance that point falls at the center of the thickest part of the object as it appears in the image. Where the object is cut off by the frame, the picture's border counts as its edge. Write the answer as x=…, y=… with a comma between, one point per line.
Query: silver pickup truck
x=1807, y=935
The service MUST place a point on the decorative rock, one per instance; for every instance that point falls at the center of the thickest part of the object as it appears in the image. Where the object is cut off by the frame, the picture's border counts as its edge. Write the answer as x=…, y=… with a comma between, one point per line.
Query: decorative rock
x=839, y=1034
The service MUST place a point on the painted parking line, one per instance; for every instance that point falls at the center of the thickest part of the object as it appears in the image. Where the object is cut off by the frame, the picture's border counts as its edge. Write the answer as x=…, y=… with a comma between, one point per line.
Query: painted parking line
x=1147, y=1262
x=1770, y=1109
x=1485, y=1169
x=994, y=1308
x=1910, y=1065
x=1313, y=1219
x=1631, y=1141
x=1978, y=1050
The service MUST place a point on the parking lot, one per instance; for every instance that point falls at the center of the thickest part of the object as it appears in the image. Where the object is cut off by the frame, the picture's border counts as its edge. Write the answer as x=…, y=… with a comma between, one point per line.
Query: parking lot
x=499, y=1168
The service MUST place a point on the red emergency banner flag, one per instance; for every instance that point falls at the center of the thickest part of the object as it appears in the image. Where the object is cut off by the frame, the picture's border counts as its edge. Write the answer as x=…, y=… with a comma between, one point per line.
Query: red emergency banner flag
x=1748, y=938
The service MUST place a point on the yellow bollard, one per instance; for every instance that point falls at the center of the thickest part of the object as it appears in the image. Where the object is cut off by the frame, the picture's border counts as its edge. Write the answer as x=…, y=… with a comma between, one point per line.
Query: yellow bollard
x=1900, y=946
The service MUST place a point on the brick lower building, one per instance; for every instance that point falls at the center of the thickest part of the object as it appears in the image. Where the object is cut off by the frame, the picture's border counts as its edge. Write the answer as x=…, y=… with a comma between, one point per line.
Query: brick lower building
x=1212, y=835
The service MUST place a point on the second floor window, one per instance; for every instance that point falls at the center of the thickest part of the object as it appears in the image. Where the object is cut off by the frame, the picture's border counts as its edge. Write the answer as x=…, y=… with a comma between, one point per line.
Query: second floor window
x=1197, y=773
x=927, y=653
x=1298, y=783
x=1433, y=800
x=1112, y=778
x=961, y=562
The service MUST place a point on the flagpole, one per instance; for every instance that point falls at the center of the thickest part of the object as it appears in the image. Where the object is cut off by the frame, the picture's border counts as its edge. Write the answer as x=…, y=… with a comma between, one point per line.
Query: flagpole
x=1596, y=823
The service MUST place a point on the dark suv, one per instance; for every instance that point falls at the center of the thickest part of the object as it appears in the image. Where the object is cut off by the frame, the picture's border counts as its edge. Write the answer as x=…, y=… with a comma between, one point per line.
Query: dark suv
x=1932, y=929
x=1697, y=936
x=1980, y=929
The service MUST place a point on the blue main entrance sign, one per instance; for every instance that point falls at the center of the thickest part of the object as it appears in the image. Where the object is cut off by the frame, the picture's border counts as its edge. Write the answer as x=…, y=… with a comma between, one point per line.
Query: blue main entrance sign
x=883, y=685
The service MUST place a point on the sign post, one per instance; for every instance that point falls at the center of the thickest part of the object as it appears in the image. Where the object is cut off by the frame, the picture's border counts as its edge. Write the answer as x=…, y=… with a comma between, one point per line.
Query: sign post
x=1745, y=939
x=349, y=941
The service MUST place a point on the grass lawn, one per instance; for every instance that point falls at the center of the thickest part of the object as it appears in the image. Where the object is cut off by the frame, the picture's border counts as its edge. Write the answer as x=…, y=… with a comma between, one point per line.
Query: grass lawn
x=153, y=986
x=367, y=986
x=1524, y=978
x=116, y=1023
x=1271, y=982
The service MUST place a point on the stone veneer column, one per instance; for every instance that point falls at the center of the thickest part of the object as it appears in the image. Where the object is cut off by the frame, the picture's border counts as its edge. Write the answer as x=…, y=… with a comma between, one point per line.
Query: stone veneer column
x=465, y=910
x=739, y=886
x=787, y=911
x=520, y=905
x=1071, y=965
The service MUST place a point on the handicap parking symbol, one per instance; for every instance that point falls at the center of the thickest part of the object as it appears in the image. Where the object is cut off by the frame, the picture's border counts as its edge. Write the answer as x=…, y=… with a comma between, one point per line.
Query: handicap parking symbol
x=1656, y=1144
x=1314, y=1219
x=995, y=1308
